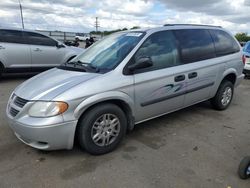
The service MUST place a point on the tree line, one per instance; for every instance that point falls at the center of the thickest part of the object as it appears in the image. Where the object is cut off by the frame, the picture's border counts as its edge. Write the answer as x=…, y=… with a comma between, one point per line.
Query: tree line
x=242, y=37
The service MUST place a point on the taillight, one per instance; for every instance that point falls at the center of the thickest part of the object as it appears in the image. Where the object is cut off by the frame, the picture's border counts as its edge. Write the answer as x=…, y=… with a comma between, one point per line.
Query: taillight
x=244, y=59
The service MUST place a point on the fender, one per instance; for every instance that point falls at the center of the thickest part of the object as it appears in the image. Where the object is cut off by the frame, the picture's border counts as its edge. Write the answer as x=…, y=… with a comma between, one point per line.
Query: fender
x=229, y=71
x=102, y=97
x=1, y=64
x=217, y=83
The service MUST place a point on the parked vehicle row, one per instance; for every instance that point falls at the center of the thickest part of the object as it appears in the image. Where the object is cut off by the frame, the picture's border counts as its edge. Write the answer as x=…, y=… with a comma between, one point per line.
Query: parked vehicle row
x=246, y=59
x=125, y=79
x=25, y=51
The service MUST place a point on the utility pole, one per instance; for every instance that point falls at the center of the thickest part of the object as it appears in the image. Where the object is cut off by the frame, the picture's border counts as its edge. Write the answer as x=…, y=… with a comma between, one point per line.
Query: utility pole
x=96, y=24
x=21, y=10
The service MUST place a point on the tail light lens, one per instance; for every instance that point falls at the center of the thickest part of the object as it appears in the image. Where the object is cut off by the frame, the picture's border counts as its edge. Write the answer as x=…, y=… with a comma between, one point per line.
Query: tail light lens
x=244, y=59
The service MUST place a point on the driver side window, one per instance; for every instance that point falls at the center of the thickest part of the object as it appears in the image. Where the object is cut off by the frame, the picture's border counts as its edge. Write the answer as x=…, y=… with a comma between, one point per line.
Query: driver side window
x=161, y=48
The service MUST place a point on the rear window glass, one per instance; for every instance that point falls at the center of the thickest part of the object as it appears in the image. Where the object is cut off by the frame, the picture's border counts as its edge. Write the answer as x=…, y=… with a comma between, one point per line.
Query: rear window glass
x=11, y=36
x=224, y=43
x=195, y=45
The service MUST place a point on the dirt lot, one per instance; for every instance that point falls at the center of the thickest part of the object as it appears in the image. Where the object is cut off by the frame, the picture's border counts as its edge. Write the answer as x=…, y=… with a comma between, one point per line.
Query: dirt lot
x=192, y=148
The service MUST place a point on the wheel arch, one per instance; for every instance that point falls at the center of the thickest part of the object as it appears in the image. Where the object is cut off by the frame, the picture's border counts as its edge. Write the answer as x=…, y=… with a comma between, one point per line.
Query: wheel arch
x=230, y=77
x=1, y=68
x=1, y=65
x=122, y=100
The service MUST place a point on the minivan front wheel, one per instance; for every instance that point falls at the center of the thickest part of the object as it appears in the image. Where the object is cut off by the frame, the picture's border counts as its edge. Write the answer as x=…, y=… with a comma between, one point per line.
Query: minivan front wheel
x=1, y=70
x=102, y=128
x=224, y=96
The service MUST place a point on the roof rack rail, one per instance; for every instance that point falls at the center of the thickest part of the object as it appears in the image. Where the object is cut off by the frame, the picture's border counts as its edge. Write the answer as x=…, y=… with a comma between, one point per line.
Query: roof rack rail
x=191, y=25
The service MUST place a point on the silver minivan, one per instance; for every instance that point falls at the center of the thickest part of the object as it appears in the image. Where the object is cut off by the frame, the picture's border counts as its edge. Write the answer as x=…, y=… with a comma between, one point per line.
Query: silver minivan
x=125, y=79
x=24, y=50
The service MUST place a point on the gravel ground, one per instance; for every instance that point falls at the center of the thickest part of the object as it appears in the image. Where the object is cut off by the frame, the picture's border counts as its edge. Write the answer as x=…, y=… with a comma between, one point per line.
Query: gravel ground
x=196, y=147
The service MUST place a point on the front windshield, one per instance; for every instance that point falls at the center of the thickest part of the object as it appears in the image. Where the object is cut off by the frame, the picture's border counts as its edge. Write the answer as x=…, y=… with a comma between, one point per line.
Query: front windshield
x=106, y=54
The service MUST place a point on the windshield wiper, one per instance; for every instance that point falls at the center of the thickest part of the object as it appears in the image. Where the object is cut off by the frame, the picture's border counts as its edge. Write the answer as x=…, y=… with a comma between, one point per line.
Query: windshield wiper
x=75, y=63
x=87, y=66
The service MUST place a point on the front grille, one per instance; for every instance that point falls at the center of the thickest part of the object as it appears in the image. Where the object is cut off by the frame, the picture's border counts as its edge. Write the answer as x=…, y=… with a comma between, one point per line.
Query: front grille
x=16, y=104
x=13, y=112
x=20, y=102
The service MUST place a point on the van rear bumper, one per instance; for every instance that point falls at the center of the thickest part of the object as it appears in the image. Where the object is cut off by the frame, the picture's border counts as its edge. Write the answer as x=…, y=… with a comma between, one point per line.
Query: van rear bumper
x=239, y=79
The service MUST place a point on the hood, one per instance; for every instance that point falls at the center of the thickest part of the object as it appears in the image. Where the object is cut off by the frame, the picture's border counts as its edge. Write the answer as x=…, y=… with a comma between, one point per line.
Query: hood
x=76, y=49
x=51, y=83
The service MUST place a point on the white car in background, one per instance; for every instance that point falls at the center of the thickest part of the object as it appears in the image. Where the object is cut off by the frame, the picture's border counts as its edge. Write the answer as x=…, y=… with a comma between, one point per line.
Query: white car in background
x=246, y=59
x=29, y=51
x=82, y=38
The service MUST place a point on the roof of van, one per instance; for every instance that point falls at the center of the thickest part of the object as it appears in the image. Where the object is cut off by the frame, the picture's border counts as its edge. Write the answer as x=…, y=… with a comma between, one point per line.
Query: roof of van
x=178, y=26
x=166, y=26
x=197, y=25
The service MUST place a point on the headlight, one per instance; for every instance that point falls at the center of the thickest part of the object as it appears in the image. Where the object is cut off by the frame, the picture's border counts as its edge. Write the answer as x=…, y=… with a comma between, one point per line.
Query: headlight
x=47, y=109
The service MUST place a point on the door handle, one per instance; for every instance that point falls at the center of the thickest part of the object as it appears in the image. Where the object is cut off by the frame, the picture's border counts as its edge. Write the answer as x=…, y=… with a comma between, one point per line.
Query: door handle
x=2, y=48
x=179, y=78
x=37, y=50
x=192, y=75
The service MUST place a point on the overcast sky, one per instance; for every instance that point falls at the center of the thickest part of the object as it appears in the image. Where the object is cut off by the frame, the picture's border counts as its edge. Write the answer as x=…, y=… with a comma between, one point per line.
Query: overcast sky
x=79, y=15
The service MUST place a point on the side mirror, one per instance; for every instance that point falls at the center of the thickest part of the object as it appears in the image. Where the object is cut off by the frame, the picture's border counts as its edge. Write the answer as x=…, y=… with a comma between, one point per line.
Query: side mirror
x=59, y=45
x=141, y=63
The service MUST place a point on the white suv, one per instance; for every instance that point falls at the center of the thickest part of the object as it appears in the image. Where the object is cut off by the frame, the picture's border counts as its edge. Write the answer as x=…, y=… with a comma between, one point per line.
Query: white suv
x=25, y=51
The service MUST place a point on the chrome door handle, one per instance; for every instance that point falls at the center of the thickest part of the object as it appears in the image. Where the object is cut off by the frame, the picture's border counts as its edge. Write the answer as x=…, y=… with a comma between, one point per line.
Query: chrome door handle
x=37, y=50
x=192, y=75
x=179, y=78
x=2, y=48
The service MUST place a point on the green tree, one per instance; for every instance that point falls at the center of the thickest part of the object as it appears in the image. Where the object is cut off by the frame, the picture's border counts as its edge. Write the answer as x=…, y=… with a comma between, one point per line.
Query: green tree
x=135, y=27
x=242, y=37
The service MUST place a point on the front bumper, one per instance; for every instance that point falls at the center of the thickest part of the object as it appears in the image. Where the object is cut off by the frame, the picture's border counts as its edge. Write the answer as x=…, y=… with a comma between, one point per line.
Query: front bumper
x=52, y=137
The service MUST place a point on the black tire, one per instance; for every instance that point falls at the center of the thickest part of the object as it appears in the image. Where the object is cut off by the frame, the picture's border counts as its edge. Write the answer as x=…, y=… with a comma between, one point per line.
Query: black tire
x=217, y=100
x=86, y=124
x=1, y=70
x=243, y=168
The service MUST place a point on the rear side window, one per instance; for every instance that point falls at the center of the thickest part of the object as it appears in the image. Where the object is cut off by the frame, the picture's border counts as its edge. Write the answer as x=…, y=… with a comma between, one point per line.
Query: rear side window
x=195, y=45
x=38, y=39
x=224, y=43
x=11, y=36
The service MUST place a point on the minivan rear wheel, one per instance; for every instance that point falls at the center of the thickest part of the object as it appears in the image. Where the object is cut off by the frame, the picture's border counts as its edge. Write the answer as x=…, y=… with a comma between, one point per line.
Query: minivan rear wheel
x=224, y=96
x=101, y=129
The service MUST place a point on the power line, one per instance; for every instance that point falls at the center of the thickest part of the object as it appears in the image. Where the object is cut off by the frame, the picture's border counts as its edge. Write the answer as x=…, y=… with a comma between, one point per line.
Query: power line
x=97, y=24
x=21, y=11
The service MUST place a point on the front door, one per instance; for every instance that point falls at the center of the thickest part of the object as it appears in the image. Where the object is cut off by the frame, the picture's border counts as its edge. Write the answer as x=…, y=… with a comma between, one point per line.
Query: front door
x=159, y=89
x=44, y=51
